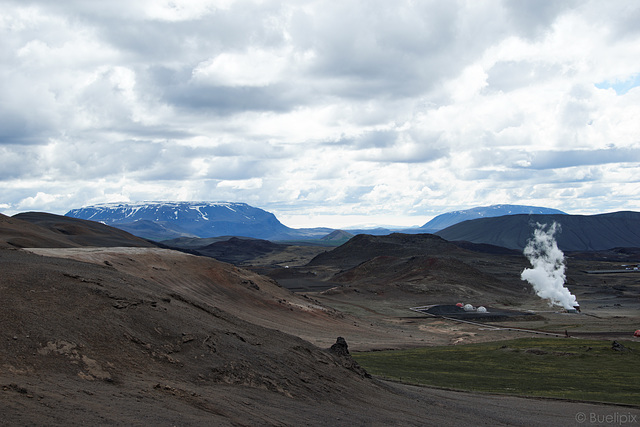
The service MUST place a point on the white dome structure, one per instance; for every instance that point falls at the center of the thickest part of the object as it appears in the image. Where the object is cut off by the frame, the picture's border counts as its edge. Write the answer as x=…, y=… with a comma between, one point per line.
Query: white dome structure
x=468, y=307
x=481, y=309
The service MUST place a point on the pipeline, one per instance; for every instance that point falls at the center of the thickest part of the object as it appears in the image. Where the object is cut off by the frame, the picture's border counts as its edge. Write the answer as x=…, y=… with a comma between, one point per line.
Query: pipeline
x=494, y=328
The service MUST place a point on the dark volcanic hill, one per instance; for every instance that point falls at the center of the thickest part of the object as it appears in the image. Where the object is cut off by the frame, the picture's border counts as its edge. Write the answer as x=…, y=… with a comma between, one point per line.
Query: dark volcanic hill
x=578, y=232
x=337, y=236
x=364, y=247
x=436, y=278
x=422, y=267
x=237, y=251
x=44, y=230
x=193, y=242
x=450, y=218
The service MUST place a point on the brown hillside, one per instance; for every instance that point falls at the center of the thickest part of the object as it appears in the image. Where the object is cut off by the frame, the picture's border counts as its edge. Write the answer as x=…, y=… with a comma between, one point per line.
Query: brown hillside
x=242, y=293
x=449, y=276
x=80, y=232
x=16, y=233
x=79, y=339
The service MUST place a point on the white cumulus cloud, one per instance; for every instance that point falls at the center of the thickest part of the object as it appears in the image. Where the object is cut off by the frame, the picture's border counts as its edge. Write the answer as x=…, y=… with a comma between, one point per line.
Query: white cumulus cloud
x=335, y=111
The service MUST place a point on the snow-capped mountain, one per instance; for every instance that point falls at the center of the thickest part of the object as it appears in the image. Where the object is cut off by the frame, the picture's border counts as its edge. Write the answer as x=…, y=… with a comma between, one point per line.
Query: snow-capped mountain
x=201, y=219
x=450, y=218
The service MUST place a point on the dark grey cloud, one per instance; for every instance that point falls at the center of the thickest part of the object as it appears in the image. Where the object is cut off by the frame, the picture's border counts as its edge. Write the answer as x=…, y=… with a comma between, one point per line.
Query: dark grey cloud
x=224, y=100
x=570, y=158
x=391, y=145
x=369, y=139
x=27, y=110
x=95, y=159
x=532, y=18
x=515, y=159
x=17, y=128
x=155, y=131
x=415, y=153
x=382, y=49
x=18, y=162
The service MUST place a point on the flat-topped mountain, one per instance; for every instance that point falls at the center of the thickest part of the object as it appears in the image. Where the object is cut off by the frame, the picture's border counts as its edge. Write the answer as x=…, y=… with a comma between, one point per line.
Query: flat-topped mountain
x=450, y=218
x=188, y=219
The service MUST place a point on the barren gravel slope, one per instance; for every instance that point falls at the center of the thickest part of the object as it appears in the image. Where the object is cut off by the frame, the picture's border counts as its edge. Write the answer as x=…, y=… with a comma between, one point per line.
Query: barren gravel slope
x=91, y=343
x=247, y=295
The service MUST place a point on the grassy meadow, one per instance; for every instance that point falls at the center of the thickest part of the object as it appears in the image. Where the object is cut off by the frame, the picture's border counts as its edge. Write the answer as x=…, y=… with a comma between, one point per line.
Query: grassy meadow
x=547, y=367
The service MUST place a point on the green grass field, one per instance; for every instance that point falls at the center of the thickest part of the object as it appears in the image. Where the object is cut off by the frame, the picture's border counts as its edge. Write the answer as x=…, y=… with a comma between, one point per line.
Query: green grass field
x=547, y=367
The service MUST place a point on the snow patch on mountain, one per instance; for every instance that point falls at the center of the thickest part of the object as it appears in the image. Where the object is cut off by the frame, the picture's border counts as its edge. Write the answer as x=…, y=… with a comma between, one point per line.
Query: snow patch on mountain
x=203, y=219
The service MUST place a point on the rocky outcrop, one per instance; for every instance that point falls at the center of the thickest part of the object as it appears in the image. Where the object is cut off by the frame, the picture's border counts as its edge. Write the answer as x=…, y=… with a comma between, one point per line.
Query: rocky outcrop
x=340, y=350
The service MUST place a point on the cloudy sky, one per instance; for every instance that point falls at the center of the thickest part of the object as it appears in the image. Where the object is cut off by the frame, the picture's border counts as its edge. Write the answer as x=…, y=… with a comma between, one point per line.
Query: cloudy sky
x=322, y=112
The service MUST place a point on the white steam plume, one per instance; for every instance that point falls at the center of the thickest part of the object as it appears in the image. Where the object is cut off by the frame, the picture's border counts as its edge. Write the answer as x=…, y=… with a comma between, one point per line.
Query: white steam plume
x=547, y=275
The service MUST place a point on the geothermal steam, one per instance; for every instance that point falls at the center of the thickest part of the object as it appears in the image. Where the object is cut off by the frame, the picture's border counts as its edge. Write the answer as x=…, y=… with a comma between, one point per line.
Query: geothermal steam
x=547, y=275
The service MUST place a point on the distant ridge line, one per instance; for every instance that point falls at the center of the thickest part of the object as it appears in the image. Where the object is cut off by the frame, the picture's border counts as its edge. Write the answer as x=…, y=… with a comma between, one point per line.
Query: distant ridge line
x=577, y=232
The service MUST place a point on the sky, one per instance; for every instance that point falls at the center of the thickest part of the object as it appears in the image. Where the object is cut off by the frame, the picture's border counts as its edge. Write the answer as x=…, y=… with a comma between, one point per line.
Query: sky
x=324, y=113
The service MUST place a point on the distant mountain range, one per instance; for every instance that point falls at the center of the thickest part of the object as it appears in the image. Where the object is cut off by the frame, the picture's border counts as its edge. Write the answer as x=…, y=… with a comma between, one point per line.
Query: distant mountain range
x=161, y=221
x=508, y=226
x=450, y=218
x=577, y=232
x=170, y=220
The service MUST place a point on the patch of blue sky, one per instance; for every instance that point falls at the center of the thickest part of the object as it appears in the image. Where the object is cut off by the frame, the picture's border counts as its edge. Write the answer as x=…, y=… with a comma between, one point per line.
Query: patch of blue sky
x=621, y=86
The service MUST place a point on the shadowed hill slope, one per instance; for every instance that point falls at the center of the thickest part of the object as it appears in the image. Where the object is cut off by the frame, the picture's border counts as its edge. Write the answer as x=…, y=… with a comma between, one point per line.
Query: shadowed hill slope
x=237, y=250
x=363, y=247
x=337, y=236
x=49, y=230
x=16, y=233
x=578, y=232
x=423, y=270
